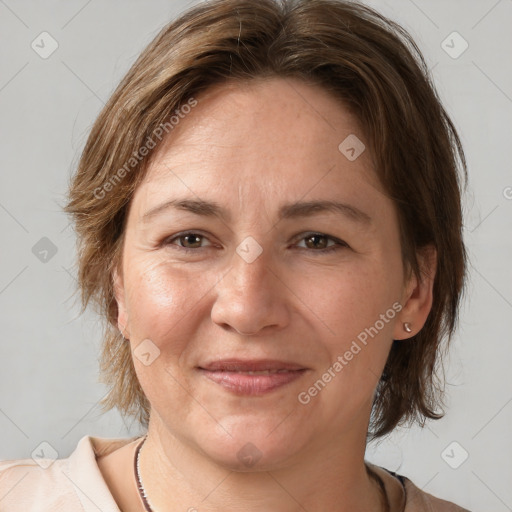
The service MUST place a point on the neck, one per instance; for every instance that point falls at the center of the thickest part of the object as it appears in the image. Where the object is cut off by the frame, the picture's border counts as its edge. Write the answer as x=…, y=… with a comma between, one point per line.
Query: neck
x=325, y=477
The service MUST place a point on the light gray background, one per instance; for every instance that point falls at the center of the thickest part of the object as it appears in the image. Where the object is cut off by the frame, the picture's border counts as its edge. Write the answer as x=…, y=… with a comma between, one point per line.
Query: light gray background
x=48, y=364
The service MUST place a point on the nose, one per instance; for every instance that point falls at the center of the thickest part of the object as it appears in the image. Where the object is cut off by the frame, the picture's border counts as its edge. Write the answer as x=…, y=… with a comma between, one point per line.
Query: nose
x=251, y=297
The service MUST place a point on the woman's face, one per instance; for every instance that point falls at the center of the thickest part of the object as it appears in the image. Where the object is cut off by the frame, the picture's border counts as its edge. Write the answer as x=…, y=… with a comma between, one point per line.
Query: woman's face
x=226, y=259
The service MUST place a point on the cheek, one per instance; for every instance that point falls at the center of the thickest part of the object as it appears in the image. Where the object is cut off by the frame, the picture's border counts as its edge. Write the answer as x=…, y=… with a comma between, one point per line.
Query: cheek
x=357, y=306
x=359, y=309
x=162, y=301
x=353, y=298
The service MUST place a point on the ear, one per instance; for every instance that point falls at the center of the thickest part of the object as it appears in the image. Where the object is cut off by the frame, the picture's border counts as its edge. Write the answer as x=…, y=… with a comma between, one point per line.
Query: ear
x=119, y=294
x=417, y=296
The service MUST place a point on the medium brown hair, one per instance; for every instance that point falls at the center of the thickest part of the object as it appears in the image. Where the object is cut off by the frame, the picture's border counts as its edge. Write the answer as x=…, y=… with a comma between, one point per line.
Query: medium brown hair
x=373, y=67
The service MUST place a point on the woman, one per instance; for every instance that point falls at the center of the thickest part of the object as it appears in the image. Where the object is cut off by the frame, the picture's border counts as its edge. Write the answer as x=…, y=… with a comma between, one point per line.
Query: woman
x=268, y=214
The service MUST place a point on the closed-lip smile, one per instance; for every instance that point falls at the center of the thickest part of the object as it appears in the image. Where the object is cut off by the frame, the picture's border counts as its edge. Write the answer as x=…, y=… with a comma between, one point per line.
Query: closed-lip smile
x=252, y=377
x=246, y=365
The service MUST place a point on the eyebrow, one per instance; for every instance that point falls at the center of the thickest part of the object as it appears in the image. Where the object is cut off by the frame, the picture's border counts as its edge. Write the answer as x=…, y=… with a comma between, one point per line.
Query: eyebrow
x=287, y=211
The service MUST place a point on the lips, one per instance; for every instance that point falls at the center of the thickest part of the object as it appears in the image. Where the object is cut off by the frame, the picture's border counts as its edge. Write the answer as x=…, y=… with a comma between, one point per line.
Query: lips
x=255, y=377
x=238, y=365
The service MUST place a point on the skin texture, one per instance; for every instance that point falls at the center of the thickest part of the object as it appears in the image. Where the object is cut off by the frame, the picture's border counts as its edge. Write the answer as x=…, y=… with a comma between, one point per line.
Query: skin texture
x=251, y=148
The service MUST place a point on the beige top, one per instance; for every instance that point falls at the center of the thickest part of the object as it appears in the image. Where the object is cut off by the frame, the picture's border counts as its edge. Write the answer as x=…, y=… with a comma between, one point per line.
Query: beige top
x=77, y=484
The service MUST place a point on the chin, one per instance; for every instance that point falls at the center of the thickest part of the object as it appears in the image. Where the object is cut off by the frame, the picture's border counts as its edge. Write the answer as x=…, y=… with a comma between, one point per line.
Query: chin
x=251, y=446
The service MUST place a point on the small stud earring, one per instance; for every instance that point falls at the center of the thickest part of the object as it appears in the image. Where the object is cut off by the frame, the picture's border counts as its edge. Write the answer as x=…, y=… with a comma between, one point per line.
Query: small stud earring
x=407, y=327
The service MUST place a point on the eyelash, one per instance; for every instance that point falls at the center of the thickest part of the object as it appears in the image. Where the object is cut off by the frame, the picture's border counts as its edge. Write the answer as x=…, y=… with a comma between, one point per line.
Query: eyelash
x=339, y=244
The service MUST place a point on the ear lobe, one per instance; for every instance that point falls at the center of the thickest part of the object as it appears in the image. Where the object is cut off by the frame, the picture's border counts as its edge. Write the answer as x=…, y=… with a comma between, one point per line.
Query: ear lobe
x=122, y=314
x=418, y=296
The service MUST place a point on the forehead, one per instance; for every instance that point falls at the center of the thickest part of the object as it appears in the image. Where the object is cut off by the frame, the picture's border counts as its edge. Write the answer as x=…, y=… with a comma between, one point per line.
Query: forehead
x=269, y=114
x=269, y=137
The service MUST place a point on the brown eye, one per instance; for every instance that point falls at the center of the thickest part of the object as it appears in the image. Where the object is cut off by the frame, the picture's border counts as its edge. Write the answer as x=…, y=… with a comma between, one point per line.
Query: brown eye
x=191, y=241
x=321, y=243
x=316, y=242
x=187, y=241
